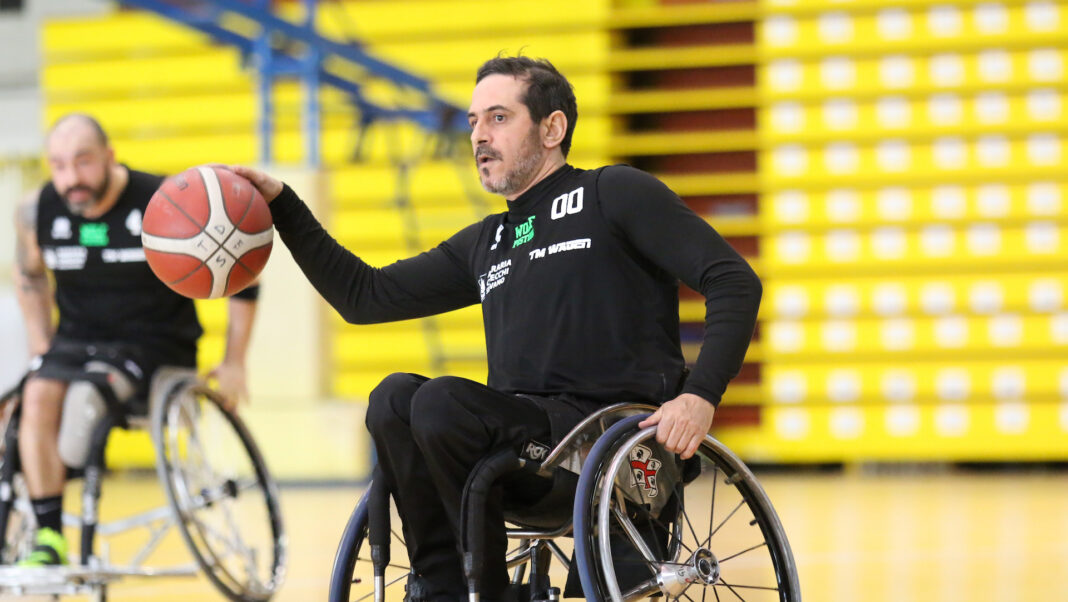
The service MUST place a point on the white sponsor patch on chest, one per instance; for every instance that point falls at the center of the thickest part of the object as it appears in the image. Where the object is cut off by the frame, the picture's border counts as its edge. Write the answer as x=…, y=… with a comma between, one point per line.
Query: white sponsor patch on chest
x=560, y=247
x=65, y=258
x=494, y=277
x=130, y=255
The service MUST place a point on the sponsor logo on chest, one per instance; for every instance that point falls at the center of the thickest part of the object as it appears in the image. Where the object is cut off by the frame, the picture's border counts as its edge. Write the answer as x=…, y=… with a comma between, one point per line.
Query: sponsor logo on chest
x=493, y=278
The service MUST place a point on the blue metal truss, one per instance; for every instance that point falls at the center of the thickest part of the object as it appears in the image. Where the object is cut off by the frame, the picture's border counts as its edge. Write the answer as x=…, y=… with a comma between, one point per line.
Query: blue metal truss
x=286, y=49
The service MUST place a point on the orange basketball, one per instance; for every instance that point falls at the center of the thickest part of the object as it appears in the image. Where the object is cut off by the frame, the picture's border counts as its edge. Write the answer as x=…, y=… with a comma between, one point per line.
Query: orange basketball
x=207, y=232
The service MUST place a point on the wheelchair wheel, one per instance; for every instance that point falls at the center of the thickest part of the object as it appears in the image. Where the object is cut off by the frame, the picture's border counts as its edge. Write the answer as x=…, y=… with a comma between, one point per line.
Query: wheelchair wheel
x=352, y=577
x=225, y=502
x=637, y=537
x=18, y=526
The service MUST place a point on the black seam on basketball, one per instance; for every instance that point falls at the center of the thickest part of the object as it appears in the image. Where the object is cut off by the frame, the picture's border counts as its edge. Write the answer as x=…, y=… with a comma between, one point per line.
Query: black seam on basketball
x=237, y=224
x=203, y=264
x=237, y=260
x=190, y=273
x=230, y=273
x=180, y=210
x=248, y=207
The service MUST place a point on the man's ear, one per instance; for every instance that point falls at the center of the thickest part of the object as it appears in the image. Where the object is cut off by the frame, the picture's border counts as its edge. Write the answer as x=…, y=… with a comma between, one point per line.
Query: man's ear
x=553, y=129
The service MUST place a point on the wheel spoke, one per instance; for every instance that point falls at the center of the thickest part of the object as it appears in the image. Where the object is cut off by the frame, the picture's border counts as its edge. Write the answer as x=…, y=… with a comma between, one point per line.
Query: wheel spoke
x=672, y=536
x=249, y=555
x=712, y=508
x=733, y=586
x=759, y=545
x=719, y=526
x=730, y=588
x=634, y=536
x=682, y=510
x=644, y=504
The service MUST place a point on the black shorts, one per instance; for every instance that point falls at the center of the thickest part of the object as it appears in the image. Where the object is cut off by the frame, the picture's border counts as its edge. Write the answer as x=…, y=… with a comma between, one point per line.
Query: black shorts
x=67, y=357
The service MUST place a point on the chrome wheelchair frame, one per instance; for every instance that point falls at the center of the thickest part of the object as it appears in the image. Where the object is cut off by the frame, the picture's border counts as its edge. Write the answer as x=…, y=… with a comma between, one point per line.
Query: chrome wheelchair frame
x=633, y=539
x=198, y=485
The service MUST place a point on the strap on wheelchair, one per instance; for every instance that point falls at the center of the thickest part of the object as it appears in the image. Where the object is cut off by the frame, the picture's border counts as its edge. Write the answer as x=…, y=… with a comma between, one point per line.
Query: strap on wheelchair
x=378, y=533
x=473, y=509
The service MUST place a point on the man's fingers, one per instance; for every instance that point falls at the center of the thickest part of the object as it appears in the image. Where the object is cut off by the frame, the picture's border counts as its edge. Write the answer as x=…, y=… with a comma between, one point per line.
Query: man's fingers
x=677, y=438
x=691, y=449
x=654, y=418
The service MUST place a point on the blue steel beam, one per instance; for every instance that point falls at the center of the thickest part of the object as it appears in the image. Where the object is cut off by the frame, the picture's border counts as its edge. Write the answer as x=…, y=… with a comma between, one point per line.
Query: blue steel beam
x=272, y=63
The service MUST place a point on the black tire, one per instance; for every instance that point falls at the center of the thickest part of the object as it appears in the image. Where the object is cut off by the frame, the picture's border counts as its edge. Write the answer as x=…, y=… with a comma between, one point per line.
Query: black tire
x=16, y=528
x=228, y=545
x=734, y=560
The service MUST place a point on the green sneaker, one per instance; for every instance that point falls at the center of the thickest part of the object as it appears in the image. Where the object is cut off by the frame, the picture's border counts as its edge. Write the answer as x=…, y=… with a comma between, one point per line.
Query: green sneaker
x=49, y=550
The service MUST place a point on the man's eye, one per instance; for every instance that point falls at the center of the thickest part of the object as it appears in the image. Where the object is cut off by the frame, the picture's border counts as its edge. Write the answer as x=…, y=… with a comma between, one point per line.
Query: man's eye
x=498, y=118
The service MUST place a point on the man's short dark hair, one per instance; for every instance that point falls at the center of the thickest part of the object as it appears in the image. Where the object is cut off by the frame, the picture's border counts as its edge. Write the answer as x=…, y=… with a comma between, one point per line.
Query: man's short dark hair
x=547, y=89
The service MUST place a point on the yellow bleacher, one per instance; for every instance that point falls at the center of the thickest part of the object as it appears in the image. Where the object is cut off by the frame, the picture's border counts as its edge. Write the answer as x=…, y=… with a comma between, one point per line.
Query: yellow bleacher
x=912, y=175
x=828, y=296
x=912, y=183
x=171, y=98
x=1008, y=203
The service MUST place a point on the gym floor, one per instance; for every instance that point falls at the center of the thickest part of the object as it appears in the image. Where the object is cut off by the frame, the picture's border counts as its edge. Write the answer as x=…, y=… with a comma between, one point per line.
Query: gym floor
x=859, y=535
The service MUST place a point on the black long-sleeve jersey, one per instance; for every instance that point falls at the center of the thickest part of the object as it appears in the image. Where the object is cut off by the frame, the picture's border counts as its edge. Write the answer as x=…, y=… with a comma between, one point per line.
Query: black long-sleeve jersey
x=104, y=289
x=578, y=283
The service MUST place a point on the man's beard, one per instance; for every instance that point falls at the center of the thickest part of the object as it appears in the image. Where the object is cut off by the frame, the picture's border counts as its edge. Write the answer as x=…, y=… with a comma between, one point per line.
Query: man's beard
x=95, y=195
x=527, y=163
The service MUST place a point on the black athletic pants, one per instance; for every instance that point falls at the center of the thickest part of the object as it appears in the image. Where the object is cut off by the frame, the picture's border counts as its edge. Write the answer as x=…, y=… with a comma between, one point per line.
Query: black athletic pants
x=429, y=434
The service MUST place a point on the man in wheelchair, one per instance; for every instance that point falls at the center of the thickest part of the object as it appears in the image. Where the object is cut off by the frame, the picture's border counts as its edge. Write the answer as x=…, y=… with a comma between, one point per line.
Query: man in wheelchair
x=115, y=317
x=578, y=283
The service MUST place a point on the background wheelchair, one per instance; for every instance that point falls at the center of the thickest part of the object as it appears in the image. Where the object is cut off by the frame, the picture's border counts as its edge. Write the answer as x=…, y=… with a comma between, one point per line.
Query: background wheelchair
x=643, y=524
x=219, y=493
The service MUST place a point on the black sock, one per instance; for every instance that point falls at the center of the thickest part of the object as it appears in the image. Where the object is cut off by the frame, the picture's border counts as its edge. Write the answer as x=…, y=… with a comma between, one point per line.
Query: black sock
x=49, y=512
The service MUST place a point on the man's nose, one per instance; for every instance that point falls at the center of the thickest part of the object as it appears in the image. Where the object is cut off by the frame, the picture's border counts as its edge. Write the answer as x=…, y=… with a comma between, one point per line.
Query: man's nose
x=64, y=177
x=479, y=135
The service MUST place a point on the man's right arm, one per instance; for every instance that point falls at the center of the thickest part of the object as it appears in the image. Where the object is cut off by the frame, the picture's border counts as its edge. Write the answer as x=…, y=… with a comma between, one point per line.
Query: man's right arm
x=432, y=282
x=429, y=283
x=32, y=288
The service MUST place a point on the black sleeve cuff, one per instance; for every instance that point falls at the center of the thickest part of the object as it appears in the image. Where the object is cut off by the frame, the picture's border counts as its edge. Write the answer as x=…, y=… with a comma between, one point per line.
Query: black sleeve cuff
x=249, y=293
x=284, y=206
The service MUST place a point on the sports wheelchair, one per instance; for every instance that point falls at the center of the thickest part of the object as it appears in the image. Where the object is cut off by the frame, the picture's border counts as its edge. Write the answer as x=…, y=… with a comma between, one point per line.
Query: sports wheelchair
x=622, y=499
x=220, y=497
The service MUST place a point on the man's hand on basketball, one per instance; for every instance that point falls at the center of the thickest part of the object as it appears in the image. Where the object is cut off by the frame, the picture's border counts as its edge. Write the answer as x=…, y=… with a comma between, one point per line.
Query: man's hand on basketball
x=682, y=423
x=269, y=187
x=230, y=383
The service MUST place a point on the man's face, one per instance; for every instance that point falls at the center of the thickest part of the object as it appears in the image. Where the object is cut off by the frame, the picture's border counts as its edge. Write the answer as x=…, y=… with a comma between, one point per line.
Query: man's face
x=507, y=144
x=80, y=166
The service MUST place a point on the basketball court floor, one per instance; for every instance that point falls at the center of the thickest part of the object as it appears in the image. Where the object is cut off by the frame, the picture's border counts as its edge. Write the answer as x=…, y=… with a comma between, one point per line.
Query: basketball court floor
x=857, y=536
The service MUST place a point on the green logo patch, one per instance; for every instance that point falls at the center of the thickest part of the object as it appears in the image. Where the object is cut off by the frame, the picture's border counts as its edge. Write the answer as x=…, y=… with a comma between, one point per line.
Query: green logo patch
x=93, y=235
x=524, y=232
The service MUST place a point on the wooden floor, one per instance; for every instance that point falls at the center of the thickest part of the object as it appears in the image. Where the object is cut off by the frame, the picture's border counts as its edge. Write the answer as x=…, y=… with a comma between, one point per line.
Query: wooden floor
x=856, y=536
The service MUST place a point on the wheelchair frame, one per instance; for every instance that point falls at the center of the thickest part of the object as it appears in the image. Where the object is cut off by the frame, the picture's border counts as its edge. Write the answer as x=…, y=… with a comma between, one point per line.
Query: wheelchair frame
x=93, y=573
x=596, y=442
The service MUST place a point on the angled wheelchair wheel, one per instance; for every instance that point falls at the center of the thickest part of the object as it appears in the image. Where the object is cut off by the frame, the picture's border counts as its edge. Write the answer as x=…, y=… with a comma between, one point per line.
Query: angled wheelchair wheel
x=225, y=502
x=649, y=525
x=16, y=526
x=352, y=577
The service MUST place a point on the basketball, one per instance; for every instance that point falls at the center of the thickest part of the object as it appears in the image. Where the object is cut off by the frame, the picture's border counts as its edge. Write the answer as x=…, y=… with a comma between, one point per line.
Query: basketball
x=207, y=232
